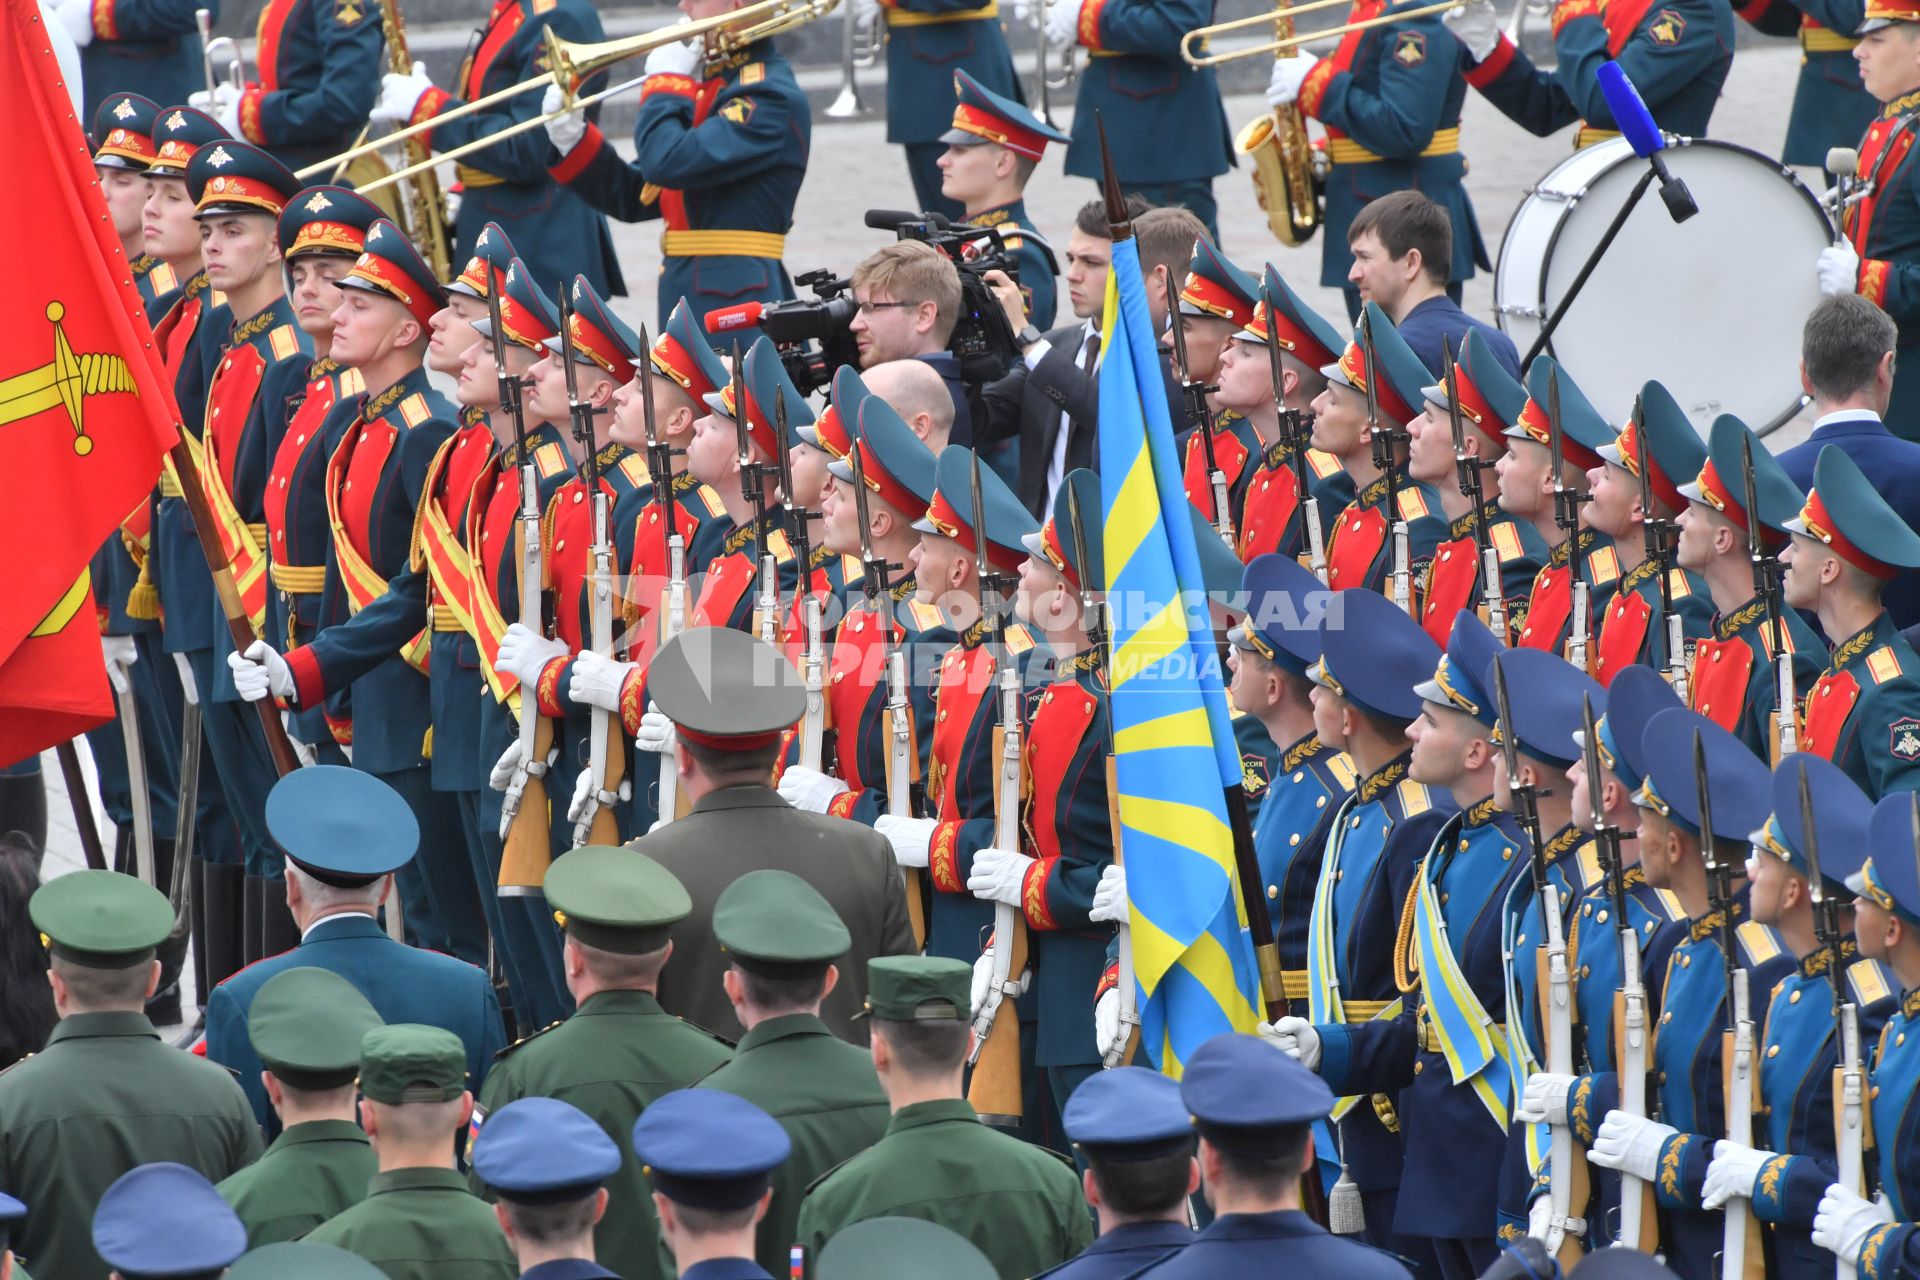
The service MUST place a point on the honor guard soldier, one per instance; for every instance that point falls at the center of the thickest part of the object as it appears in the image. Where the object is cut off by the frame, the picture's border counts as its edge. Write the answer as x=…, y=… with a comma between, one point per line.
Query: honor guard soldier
x=1879, y=258
x=720, y=150
x=1131, y=1127
x=418, y=1220
x=1676, y=55
x=783, y=939
x=1268, y=517
x=1801, y=1043
x=123, y=147
x=1135, y=78
x=548, y=1162
x=344, y=835
x=710, y=1158
x=1831, y=108
x=1528, y=492
x=992, y=149
x=507, y=182
x=1255, y=1111
x=1662, y=443
x=106, y=1094
x=1390, y=98
x=164, y=1219
x=1361, y=548
x=320, y=63
x=930, y=44
x=817, y=445
x=1271, y=653
x=1672, y=1153
x=1489, y=402
x=1371, y=657
x=1735, y=680
x=1021, y=1204
x=301, y=1260
x=148, y=47
x=730, y=696
x=1217, y=300
x=305, y=1026
x=619, y=1052
x=1863, y=713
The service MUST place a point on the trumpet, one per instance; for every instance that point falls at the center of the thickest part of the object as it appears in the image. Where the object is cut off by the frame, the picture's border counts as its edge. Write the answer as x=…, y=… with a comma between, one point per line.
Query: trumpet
x=857, y=51
x=1193, y=44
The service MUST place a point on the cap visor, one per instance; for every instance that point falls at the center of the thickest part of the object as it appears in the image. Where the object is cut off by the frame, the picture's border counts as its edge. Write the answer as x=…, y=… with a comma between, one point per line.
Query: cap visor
x=1430, y=691
x=716, y=405
x=465, y=290
x=1610, y=454
x=1034, y=544
x=840, y=470
x=1335, y=374
x=1692, y=493
x=961, y=138
x=922, y=525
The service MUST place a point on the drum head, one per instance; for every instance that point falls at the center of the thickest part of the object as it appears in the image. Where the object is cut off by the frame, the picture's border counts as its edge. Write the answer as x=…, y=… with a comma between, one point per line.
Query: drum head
x=1712, y=307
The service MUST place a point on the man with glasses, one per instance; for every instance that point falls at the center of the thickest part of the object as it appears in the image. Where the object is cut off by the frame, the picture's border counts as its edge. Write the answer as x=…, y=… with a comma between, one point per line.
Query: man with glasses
x=908, y=299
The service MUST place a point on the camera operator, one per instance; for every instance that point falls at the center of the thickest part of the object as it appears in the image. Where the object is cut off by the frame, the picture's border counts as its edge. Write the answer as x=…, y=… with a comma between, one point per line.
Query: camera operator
x=906, y=304
x=1049, y=403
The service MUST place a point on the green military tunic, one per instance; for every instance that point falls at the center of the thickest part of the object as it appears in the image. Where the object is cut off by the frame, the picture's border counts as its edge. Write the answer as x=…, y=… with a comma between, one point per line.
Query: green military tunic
x=616, y=1054
x=310, y=1173
x=422, y=1224
x=823, y=1092
x=1021, y=1204
x=107, y=1094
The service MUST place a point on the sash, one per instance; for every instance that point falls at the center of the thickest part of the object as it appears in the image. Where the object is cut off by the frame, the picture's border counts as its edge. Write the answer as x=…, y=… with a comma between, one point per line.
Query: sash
x=239, y=543
x=436, y=542
x=1518, y=1053
x=1324, y=1004
x=363, y=584
x=1469, y=1038
x=486, y=623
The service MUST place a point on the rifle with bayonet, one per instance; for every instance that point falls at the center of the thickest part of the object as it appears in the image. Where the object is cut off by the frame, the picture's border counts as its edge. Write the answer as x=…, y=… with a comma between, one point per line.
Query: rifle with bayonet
x=1385, y=457
x=813, y=660
x=673, y=618
x=1768, y=586
x=606, y=754
x=1849, y=1077
x=1195, y=394
x=528, y=842
x=1661, y=536
x=1467, y=468
x=1298, y=437
x=766, y=608
x=1566, y=515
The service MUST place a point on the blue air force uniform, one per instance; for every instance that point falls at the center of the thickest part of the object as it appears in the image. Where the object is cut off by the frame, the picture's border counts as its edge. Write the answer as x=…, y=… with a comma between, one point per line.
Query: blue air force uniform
x=320, y=64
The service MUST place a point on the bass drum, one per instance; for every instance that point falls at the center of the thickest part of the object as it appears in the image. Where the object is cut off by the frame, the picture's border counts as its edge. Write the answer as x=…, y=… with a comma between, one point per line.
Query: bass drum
x=1712, y=307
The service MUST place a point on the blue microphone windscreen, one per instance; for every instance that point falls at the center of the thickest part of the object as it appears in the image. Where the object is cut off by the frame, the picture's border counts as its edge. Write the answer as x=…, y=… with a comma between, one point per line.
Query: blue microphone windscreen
x=1629, y=112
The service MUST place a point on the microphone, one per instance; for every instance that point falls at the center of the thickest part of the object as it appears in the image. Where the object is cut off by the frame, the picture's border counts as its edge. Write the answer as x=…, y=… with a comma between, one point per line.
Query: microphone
x=745, y=315
x=1630, y=112
x=890, y=219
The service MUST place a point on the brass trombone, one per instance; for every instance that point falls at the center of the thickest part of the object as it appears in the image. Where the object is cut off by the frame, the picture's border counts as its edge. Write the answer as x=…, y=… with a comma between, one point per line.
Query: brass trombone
x=571, y=62
x=1195, y=40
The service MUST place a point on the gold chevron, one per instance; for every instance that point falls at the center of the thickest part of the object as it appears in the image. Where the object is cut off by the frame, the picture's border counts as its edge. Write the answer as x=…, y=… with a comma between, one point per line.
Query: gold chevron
x=64, y=381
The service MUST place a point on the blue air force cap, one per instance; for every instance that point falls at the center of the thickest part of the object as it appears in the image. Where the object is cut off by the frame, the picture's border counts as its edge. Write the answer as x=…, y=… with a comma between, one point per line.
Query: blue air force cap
x=1128, y=1113
x=708, y=1149
x=1248, y=1097
x=1545, y=693
x=341, y=826
x=1284, y=604
x=1841, y=813
x=1459, y=680
x=1737, y=782
x=1373, y=654
x=543, y=1151
x=1891, y=877
x=165, y=1219
x=1637, y=695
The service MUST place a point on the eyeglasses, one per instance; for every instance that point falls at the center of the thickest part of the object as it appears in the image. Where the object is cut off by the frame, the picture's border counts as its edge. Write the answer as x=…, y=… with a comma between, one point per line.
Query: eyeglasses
x=868, y=308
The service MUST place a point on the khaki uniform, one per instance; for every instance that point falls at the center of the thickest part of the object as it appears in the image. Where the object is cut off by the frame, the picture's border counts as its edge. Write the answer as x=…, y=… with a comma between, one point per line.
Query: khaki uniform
x=423, y=1224
x=310, y=1173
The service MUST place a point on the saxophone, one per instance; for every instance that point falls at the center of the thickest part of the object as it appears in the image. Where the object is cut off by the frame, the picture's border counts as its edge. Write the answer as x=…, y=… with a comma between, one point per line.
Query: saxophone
x=422, y=206
x=1285, y=179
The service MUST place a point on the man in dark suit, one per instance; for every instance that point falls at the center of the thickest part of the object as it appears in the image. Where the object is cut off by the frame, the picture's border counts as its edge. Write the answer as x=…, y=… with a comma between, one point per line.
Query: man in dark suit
x=729, y=697
x=345, y=832
x=1846, y=365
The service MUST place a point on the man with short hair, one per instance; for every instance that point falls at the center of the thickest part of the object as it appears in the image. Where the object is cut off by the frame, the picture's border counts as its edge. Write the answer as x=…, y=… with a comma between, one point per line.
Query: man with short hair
x=1402, y=246
x=991, y=152
x=548, y=1161
x=1134, y=1131
x=1019, y=1202
x=418, y=1220
x=710, y=1157
x=906, y=303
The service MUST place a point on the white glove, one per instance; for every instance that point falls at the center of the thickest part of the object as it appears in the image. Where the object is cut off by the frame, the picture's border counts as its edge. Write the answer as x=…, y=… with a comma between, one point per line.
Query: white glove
x=1062, y=23
x=1110, y=897
x=983, y=979
x=452, y=200
x=998, y=875
x=675, y=58
x=260, y=671
x=564, y=129
x=1106, y=1022
x=77, y=16
x=1289, y=74
x=656, y=732
x=308, y=753
x=526, y=653
x=1023, y=14
x=1295, y=1037
x=1731, y=1173
x=120, y=654
x=224, y=99
x=1845, y=1220
x=505, y=767
x=809, y=789
x=911, y=838
x=400, y=94
x=584, y=801
x=1839, y=269
x=1476, y=27
x=1540, y=1223
x=1630, y=1144
x=865, y=14
x=597, y=680
x=1545, y=1100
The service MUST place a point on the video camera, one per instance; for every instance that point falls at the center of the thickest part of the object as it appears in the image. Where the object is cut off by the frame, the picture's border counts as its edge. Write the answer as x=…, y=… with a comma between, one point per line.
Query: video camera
x=814, y=334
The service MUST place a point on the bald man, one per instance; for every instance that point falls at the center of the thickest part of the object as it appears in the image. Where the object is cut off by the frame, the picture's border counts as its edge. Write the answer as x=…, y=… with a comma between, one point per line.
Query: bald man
x=917, y=393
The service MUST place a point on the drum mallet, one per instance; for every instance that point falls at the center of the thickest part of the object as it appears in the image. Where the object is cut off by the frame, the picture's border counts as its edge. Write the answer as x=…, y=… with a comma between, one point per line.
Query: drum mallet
x=1844, y=164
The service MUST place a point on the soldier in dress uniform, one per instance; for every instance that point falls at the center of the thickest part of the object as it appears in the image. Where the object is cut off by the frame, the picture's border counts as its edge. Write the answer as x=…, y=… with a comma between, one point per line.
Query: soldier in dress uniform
x=1135, y=78
x=106, y=1094
x=620, y=1052
x=418, y=1220
x=710, y=1158
x=548, y=1162
x=305, y=1026
x=164, y=1219
x=1800, y=1044
x=720, y=150
x=319, y=64
x=783, y=939
x=123, y=147
x=1490, y=402
x=1360, y=547
x=1527, y=493
x=508, y=182
x=1217, y=300
x=992, y=149
x=1831, y=108
x=1255, y=1111
x=149, y=47
x=1136, y=1136
x=344, y=835
x=1735, y=673
x=1863, y=713
x=1019, y=1203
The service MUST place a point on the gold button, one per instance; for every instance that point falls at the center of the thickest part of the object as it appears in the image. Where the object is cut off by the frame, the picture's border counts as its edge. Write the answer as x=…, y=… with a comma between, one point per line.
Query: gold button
x=1418, y=1067
x=1585, y=971
x=1340, y=875
x=1773, y=1051
x=1294, y=839
x=1506, y=854
x=1443, y=902
x=561, y=545
x=1298, y=774
x=1793, y=998
x=1273, y=891
x=1320, y=802
x=1354, y=824
x=1666, y=1017
x=1446, y=555
x=577, y=495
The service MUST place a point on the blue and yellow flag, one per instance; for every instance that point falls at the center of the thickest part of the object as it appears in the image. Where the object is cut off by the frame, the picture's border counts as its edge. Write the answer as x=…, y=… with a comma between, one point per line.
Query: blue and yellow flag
x=1173, y=741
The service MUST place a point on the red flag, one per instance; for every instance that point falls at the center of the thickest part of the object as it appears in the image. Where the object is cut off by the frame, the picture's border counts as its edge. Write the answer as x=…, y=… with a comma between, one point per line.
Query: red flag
x=54, y=686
